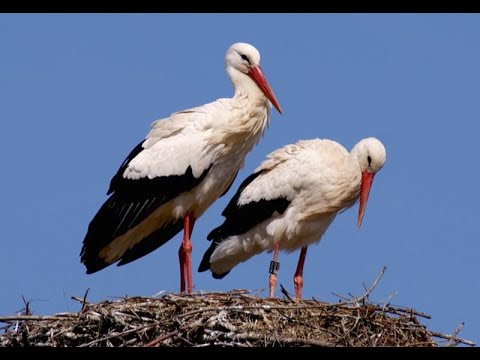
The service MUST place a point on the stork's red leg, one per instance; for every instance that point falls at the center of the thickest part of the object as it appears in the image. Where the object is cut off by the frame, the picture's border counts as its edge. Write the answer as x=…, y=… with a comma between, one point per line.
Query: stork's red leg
x=184, y=254
x=298, y=278
x=272, y=282
x=188, y=262
x=181, y=258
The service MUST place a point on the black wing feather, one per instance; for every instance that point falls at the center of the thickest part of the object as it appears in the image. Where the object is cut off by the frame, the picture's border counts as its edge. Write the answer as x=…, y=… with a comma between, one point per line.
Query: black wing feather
x=232, y=205
x=117, y=179
x=247, y=216
x=132, y=202
x=240, y=219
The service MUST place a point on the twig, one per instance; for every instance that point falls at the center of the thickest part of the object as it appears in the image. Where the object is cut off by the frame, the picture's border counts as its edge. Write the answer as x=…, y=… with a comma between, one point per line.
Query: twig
x=27, y=306
x=285, y=292
x=364, y=296
x=173, y=333
x=451, y=337
x=288, y=340
x=387, y=300
x=398, y=309
x=118, y=334
x=162, y=338
x=341, y=297
x=76, y=298
x=355, y=300
x=84, y=302
x=454, y=340
x=32, y=317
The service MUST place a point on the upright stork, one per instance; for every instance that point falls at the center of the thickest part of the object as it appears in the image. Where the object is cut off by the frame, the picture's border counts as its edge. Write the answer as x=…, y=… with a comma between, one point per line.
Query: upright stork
x=185, y=163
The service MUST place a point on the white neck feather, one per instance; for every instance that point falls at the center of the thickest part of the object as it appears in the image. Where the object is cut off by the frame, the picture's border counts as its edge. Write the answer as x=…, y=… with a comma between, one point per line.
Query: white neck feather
x=244, y=85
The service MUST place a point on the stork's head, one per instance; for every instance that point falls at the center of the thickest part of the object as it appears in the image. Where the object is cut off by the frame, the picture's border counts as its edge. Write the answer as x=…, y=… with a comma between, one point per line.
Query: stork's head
x=244, y=59
x=371, y=157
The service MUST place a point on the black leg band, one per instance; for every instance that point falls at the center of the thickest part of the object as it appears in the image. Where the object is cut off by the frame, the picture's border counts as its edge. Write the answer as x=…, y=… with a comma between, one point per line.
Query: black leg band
x=274, y=267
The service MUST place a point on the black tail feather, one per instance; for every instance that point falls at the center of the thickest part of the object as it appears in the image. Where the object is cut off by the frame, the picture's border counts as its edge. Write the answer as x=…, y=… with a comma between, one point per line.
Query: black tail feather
x=131, y=203
x=151, y=242
x=220, y=276
x=205, y=263
x=93, y=263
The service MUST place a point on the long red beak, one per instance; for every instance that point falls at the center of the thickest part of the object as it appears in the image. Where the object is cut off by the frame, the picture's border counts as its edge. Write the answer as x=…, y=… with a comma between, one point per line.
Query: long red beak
x=367, y=180
x=257, y=75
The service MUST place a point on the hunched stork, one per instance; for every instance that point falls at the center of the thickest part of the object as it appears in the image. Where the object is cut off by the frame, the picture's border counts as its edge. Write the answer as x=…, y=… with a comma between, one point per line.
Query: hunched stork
x=289, y=202
x=185, y=163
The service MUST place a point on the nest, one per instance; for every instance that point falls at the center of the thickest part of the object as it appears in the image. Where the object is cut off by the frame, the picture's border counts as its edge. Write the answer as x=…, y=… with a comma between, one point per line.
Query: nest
x=235, y=318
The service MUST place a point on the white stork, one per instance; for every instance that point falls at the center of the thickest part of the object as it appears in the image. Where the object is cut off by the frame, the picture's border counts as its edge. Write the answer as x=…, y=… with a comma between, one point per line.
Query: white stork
x=185, y=163
x=290, y=201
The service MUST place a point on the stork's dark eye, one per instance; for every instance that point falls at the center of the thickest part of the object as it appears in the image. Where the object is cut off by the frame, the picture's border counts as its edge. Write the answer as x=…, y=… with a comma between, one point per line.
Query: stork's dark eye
x=369, y=159
x=245, y=57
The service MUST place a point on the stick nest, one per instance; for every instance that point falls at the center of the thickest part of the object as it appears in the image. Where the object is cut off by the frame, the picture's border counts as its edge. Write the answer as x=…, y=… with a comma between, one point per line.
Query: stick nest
x=236, y=318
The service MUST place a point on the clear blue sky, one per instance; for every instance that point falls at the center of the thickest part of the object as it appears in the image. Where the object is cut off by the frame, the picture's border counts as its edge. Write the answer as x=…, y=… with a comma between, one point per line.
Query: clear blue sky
x=77, y=92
